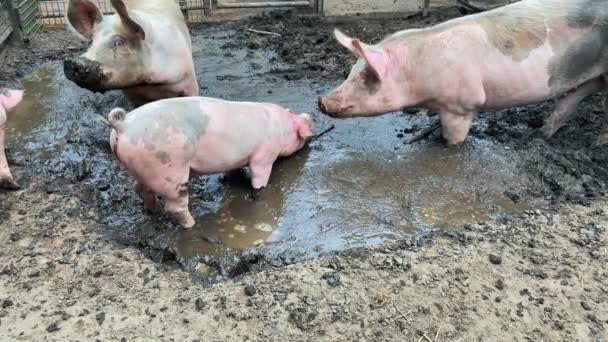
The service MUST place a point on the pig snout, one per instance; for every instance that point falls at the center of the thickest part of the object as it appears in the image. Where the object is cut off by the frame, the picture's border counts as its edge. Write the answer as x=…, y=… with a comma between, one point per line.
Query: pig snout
x=322, y=107
x=333, y=106
x=85, y=73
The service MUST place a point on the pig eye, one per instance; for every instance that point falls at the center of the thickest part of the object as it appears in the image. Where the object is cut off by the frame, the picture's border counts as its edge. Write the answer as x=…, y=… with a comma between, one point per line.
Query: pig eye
x=368, y=77
x=118, y=41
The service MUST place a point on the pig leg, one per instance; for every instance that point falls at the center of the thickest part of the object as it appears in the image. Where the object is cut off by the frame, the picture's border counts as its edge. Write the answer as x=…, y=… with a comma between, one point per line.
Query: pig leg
x=6, y=179
x=455, y=127
x=567, y=105
x=602, y=139
x=149, y=197
x=176, y=204
x=261, y=168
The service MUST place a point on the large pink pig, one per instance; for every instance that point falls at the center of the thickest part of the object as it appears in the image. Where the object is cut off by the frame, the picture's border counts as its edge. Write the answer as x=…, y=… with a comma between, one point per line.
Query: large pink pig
x=144, y=49
x=8, y=100
x=526, y=52
x=163, y=143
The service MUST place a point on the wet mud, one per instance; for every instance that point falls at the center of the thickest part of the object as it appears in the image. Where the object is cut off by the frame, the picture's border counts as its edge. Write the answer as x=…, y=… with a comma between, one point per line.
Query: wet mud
x=359, y=185
x=384, y=241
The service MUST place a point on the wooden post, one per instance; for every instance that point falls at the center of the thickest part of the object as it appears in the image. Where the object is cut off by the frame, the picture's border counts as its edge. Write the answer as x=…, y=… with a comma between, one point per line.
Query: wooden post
x=13, y=15
x=425, y=8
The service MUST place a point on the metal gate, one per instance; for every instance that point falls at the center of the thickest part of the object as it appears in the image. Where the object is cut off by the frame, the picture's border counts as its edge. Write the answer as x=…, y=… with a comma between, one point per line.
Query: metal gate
x=263, y=3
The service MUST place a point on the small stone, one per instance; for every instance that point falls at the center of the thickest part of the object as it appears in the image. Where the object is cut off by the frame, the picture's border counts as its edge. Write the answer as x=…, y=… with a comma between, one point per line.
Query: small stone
x=332, y=278
x=21, y=211
x=7, y=303
x=240, y=228
x=264, y=227
x=103, y=186
x=585, y=306
x=199, y=304
x=100, y=317
x=250, y=290
x=498, y=299
x=53, y=328
x=495, y=259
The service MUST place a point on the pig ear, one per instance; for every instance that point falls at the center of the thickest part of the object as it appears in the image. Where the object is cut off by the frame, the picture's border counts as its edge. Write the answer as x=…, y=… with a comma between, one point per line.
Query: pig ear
x=344, y=40
x=123, y=13
x=82, y=16
x=304, y=130
x=375, y=58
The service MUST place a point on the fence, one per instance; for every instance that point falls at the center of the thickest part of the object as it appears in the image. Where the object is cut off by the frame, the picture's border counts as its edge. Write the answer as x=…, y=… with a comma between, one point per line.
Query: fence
x=19, y=17
x=5, y=22
x=53, y=12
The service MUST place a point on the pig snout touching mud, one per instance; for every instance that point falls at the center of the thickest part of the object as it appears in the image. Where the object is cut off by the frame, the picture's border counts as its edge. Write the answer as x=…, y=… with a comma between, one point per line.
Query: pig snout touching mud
x=9, y=99
x=526, y=52
x=144, y=49
x=165, y=142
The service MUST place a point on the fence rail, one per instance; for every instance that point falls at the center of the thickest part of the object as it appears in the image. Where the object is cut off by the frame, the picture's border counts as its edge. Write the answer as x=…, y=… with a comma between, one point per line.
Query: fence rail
x=53, y=12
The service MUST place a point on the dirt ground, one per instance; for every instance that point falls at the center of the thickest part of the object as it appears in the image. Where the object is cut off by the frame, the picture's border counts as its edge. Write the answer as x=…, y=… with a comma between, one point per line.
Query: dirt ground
x=535, y=276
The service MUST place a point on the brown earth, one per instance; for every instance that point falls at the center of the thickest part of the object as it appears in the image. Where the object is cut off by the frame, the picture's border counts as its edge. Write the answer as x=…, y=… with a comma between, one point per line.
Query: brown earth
x=539, y=276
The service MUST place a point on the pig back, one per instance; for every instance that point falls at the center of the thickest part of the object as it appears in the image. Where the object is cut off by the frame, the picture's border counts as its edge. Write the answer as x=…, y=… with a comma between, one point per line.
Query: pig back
x=172, y=124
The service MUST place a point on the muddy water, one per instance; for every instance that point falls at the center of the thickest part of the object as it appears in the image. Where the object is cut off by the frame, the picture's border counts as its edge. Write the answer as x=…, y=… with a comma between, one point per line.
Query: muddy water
x=33, y=109
x=355, y=186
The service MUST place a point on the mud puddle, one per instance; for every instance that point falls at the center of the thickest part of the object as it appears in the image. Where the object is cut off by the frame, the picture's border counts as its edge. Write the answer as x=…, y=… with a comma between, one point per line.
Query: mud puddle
x=356, y=186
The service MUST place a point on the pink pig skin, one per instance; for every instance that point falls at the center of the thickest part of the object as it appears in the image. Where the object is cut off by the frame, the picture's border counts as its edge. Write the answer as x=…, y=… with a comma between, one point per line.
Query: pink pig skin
x=8, y=100
x=526, y=52
x=164, y=143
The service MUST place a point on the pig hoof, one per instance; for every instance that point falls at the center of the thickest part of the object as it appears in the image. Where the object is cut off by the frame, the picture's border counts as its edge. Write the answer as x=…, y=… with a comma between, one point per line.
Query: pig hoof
x=255, y=194
x=151, y=208
x=187, y=222
x=548, y=131
x=9, y=184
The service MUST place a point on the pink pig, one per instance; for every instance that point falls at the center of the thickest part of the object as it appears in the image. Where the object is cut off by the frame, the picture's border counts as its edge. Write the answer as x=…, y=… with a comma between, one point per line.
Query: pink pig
x=8, y=100
x=526, y=52
x=165, y=142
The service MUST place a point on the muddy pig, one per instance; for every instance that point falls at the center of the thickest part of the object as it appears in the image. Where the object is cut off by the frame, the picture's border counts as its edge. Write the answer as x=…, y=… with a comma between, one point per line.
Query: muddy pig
x=165, y=142
x=9, y=99
x=526, y=52
x=144, y=49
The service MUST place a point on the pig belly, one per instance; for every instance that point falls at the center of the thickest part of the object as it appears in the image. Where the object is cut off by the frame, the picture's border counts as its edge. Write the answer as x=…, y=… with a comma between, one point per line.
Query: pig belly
x=215, y=155
x=508, y=83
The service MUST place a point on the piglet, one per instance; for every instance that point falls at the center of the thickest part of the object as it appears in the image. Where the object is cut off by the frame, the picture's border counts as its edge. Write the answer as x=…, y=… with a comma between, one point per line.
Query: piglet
x=8, y=100
x=164, y=143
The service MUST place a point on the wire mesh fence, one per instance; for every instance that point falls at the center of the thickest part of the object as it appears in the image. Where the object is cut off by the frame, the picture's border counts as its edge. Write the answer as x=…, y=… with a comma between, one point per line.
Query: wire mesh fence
x=52, y=12
x=19, y=17
x=5, y=23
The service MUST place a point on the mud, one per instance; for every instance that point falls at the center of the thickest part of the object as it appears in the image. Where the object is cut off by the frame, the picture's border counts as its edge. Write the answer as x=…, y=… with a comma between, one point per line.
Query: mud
x=357, y=237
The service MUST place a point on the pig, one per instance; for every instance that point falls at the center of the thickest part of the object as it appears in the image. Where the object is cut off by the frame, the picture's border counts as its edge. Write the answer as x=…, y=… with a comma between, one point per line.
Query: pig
x=523, y=53
x=163, y=143
x=144, y=49
x=9, y=99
